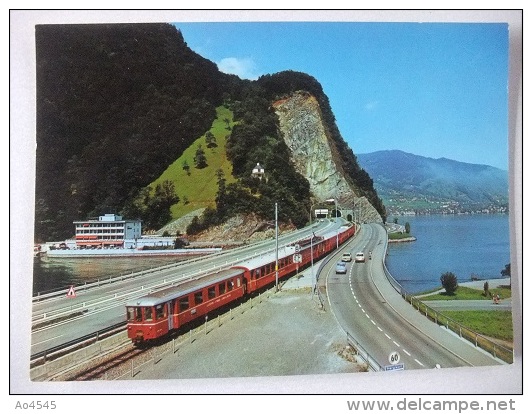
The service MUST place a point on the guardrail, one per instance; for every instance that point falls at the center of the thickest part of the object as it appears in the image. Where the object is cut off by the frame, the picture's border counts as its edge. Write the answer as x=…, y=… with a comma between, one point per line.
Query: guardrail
x=372, y=363
x=497, y=350
x=63, y=349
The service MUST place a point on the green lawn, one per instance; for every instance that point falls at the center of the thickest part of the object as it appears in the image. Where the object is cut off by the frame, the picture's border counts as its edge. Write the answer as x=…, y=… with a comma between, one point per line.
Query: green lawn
x=399, y=236
x=199, y=187
x=496, y=324
x=467, y=293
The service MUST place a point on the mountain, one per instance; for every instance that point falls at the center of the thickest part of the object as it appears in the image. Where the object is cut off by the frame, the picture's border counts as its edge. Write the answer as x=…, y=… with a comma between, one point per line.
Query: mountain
x=122, y=107
x=409, y=182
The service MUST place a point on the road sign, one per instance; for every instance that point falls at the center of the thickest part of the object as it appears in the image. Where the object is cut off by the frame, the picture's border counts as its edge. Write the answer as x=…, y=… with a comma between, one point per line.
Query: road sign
x=394, y=358
x=297, y=258
x=395, y=367
x=71, y=292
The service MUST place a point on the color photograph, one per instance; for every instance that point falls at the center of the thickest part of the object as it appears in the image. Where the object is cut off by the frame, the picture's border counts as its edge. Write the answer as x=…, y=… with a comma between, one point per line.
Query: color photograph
x=233, y=203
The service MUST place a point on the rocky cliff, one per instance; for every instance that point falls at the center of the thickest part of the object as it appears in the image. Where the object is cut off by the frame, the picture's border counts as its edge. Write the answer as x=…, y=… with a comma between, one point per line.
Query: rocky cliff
x=315, y=155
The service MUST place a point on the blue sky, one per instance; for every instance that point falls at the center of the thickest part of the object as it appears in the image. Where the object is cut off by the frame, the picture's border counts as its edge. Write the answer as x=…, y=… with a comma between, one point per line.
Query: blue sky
x=431, y=89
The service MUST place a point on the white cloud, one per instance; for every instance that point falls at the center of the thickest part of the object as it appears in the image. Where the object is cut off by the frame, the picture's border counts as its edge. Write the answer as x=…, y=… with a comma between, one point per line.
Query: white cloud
x=244, y=68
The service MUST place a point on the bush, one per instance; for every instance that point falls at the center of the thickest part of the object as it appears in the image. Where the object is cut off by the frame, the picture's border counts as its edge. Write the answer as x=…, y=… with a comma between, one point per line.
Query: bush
x=449, y=282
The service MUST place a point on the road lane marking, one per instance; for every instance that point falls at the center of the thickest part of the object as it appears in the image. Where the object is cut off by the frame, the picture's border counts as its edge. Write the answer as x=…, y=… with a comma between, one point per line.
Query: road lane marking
x=399, y=346
x=419, y=362
x=406, y=352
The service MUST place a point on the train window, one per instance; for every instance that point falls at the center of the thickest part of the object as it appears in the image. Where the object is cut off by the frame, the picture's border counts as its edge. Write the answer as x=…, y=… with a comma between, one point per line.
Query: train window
x=160, y=312
x=148, y=314
x=183, y=304
x=238, y=282
x=221, y=288
x=198, y=298
x=257, y=273
x=131, y=314
x=230, y=285
x=212, y=292
x=138, y=314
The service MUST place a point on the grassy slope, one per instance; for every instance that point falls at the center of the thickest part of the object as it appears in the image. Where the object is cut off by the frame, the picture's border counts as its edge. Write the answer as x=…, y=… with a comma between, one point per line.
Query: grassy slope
x=497, y=324
x=200, y=186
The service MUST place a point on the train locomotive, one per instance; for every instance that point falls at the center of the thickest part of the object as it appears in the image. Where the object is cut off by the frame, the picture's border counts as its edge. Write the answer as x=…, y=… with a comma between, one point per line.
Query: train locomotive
x=155, y=315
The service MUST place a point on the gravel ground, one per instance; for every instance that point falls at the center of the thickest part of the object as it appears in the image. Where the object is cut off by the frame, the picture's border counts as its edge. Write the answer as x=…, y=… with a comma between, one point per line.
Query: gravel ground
x=286, y=334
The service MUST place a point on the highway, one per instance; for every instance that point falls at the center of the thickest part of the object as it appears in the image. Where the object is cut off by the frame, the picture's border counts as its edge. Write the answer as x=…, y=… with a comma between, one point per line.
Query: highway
x=368, y=308
x=60, y=319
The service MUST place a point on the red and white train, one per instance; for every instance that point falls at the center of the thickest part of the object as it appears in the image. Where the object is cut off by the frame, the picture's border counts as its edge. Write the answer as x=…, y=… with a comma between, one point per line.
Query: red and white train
x=157, y=314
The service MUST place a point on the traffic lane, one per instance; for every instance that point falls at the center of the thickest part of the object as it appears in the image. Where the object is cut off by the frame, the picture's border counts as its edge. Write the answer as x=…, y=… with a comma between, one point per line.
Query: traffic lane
x=367, y=323
x=425, y=352
x=416, y=349
x=348, y=311
x=54, y=335
x=352, y=315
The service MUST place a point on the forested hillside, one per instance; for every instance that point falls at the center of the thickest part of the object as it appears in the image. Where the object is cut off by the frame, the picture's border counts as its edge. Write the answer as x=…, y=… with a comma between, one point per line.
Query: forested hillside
x=117, y=104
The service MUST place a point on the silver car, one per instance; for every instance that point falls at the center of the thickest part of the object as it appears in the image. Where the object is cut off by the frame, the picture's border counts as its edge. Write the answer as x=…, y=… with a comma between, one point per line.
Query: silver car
x=341, y=267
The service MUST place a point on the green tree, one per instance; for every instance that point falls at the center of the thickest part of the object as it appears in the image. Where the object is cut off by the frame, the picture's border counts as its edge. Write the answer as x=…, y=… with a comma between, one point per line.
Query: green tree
x=407, y=227
x=506, y=271
x=210, y=140
x=200, y=160
x=186, y=167
x=449, y=282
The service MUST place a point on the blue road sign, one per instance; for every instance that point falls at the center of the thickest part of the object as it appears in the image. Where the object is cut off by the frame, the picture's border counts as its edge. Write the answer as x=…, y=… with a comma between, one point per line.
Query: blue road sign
x=396, y=367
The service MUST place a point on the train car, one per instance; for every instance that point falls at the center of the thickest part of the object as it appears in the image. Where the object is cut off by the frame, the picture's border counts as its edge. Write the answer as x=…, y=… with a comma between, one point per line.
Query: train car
x=158, y=313
x=261, y=272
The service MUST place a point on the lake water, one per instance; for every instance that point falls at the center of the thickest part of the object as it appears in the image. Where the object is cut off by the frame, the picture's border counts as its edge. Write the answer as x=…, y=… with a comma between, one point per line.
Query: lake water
x=54, y=273
x=465, y=245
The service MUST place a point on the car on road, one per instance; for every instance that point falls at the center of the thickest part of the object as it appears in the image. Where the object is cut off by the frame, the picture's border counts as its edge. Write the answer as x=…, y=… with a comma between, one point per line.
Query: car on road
x=360, y=258
x=341, y=267
x=346, y=257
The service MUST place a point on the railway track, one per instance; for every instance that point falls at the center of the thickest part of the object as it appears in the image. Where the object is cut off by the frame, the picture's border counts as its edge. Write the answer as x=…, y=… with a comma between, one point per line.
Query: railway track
x=109, y=366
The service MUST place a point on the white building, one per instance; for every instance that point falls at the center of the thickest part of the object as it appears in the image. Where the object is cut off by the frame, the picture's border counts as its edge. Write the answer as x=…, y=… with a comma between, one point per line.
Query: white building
x=109, y=230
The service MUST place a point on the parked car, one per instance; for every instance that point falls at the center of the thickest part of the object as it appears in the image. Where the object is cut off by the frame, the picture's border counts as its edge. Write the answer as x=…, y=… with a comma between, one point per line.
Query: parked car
x=360, y=258
x=341, y=267
x=346, y=257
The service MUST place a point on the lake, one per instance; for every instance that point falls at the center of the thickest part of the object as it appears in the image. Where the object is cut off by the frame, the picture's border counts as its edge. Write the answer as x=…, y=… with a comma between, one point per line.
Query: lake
x=465, y=245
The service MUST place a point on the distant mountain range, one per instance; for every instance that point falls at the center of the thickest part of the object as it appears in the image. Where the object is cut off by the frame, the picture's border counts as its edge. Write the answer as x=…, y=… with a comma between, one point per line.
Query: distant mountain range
x=406, y=181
